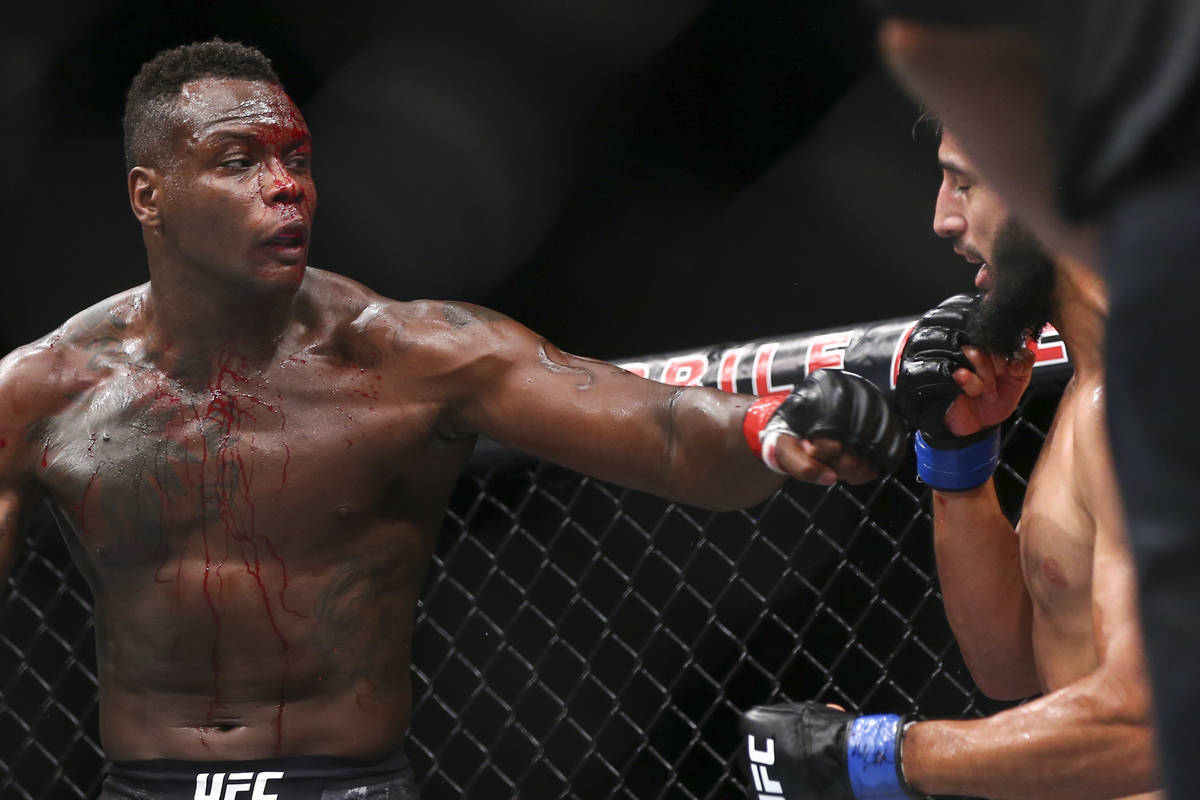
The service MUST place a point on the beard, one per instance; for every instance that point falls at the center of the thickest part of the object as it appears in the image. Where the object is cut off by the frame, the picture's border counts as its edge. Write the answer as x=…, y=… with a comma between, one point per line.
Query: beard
x=1020, y=296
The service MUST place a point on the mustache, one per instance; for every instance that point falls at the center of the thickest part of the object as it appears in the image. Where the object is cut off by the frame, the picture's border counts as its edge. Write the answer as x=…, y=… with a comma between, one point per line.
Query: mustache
x=969, y=251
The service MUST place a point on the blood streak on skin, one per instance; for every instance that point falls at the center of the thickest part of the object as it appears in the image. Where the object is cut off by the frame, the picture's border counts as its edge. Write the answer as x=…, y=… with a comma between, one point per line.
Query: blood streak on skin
x=232, y=474
x=81, y=513
x=231, y=469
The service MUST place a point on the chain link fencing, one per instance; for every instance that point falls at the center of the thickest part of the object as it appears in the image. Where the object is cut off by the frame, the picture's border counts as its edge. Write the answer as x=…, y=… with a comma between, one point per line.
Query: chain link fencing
x=580, y=640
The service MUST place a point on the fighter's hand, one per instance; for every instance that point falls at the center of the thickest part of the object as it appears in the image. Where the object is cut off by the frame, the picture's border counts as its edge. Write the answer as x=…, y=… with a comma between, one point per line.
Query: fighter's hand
x=809, y=751
x=991, y=390
x=956, y=396
x=834, y=425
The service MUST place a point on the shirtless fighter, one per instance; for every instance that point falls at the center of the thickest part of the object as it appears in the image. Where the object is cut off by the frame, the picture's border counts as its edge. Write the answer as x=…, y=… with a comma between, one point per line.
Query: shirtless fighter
x=250, y=460
x=1046, y=608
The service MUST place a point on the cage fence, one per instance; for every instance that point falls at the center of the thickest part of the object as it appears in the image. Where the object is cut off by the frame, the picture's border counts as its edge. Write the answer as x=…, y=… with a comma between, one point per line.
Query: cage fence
x=576, y=639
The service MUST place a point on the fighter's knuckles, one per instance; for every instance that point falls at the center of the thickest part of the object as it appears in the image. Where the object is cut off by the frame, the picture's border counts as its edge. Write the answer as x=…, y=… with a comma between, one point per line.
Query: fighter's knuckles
x=835, y=412
x=852, y=411
x=825, y=449
x=855, y=469
x=798, y=464
x=931, y=367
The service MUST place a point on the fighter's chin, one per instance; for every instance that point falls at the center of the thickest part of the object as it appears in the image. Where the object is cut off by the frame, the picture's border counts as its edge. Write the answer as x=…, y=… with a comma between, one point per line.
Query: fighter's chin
x=289, y=254
x=283, y=273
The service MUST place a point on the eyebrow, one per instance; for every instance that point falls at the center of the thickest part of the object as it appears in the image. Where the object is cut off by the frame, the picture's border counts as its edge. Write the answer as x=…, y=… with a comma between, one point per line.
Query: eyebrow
x=950, y=165
x=221, y=135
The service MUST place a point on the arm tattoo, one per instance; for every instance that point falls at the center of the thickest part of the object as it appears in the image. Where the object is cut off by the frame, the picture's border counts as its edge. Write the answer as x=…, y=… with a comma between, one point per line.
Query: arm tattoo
x=554, y=366
x=672, y=423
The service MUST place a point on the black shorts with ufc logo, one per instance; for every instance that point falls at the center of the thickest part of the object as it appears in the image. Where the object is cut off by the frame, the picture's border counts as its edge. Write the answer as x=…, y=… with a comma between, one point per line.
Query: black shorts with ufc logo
x=299, y=778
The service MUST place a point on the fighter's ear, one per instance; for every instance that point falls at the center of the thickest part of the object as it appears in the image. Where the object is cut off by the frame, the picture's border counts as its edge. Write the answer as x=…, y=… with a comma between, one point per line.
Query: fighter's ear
x=145, y=195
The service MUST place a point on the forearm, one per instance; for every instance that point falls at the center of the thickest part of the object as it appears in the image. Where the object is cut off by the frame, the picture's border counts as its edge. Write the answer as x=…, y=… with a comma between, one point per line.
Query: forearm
x=691, y=444
x=1084, y=741
x=707, y=460
x=987, y=605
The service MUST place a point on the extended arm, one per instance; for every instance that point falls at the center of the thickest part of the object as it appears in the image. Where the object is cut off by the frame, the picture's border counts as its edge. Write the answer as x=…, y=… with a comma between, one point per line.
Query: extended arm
x=686, y=444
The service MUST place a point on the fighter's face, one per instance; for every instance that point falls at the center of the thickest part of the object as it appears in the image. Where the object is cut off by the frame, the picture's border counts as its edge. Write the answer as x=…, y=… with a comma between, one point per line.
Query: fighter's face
x=1016, y=275
x=237, y=190
x=968, y=210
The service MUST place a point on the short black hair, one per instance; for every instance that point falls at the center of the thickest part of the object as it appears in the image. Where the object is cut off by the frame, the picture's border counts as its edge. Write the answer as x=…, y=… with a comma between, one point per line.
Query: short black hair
x=155, y=88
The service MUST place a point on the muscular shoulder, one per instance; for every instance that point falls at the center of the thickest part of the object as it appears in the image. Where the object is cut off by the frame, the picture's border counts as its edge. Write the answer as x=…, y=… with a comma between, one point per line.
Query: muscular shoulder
x=42, y=378
x=46, y=372
x=430, y=335
x=30, y=383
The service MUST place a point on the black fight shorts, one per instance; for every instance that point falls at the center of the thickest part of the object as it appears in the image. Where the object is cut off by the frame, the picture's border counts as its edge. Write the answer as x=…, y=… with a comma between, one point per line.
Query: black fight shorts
x=299, y=778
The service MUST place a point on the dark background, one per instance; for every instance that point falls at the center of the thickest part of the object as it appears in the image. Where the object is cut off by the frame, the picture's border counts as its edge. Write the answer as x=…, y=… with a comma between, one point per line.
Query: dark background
x=625, y=177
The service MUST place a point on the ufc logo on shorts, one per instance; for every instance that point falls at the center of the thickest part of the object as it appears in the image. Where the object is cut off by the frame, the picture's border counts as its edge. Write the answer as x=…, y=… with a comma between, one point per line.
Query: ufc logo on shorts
x=254, y=785
x=759, y=761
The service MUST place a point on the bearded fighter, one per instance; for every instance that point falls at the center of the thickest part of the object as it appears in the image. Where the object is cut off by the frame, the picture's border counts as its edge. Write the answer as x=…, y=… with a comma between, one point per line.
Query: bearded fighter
x=1046, y=608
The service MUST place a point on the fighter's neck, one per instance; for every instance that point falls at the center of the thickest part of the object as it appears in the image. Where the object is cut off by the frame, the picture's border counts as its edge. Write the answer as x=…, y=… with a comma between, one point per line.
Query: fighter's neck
x=190, y=329
x=1080, y=316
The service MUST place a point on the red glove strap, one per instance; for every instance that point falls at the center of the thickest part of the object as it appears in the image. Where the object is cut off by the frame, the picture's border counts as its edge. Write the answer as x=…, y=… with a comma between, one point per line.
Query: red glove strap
x=757, y=415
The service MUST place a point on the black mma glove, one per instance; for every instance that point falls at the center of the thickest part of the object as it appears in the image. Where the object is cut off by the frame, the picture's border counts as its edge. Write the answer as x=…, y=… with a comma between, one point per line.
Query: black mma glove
x=925, y=389
x=809, y=751
x=834, y=404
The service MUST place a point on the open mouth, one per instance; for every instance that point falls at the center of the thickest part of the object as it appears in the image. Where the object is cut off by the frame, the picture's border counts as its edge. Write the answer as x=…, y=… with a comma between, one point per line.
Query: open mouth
x=981, y=276
x=289, y=237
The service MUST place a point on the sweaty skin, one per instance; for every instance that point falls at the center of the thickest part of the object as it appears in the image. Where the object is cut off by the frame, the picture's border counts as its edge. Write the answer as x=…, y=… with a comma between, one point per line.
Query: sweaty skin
x=1048, y=608
x=250, y=459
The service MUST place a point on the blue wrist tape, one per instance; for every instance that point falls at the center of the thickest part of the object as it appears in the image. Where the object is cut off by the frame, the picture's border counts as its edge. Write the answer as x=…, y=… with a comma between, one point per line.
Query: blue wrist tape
x=955, y=470
x=873, y=758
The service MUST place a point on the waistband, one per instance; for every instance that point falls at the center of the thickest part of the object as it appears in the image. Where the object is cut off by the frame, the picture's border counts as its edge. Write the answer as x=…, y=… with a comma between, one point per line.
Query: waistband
x=290, y=778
